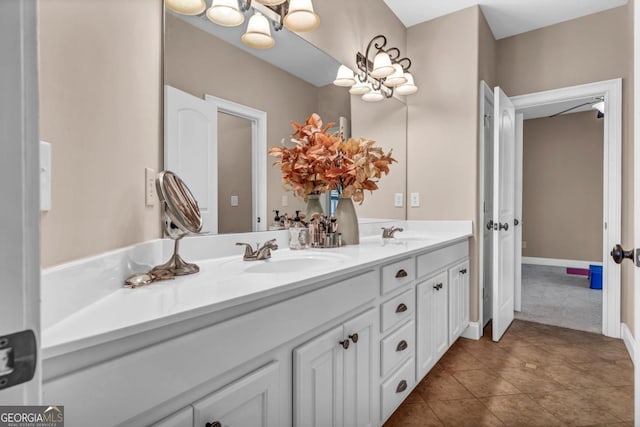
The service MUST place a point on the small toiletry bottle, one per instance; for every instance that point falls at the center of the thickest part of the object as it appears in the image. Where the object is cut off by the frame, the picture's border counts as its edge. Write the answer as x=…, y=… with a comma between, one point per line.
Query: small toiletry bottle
x=277, y=225
x=298, y=234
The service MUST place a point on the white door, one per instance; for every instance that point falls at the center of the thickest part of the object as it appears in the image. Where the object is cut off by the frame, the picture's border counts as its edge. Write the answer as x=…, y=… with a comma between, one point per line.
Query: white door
x=20, y=212
x=358, y=370
x=251, y=401
x=636, y=207
x=503, y=213
x=318, y=372
x=517, y=222
x=191, y=149
x=486, y=118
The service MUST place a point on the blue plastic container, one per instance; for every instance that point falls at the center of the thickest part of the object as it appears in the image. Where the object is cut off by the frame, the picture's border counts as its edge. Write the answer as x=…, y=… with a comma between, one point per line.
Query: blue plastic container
x=595, y=276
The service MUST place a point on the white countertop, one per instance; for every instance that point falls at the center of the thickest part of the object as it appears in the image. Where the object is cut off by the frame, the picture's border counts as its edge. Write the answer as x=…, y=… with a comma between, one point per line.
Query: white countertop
x=113, y=312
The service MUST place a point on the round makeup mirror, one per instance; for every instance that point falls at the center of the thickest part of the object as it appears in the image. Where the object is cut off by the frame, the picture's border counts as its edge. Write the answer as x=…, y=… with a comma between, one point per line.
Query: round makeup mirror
x=181, y=217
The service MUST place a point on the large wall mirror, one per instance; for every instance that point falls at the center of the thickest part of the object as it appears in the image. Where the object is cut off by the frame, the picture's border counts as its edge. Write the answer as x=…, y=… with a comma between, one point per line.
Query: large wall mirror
x=243, y=99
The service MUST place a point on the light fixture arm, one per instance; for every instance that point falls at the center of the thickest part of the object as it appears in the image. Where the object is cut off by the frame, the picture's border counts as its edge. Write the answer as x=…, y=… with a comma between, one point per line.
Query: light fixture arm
x=244, y=5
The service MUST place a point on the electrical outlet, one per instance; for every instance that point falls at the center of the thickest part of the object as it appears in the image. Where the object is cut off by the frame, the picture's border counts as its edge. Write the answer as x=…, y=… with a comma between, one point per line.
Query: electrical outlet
x=415, y=200
x=234, y=201
x=524, y=244
x=285, y=201
x=399, y=200
x=150, y=187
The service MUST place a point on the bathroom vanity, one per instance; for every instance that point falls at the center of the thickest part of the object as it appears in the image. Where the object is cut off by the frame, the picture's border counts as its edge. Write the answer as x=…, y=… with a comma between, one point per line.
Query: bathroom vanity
x=335, y=337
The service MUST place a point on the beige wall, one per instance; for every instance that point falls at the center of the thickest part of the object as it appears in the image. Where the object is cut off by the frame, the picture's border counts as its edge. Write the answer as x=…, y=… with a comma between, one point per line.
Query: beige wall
x=100, y=108
x=333, y=102
x=234, y=172
x=443, y=123
x=386, y=123
x=562, y=187
x=588, y=49
x=192, y=64
x=488, y=51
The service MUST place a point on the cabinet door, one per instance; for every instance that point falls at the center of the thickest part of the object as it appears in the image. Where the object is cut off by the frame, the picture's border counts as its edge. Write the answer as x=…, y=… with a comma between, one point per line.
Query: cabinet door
x=432, y=332
x=318, y=381
x=183, y=418
x=358, y=370
x=252, y=401
x=458, y=276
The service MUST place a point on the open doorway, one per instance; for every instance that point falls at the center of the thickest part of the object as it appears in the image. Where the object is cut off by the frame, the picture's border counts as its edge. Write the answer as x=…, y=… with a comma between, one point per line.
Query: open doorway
x=562, y=215
x=496, y=225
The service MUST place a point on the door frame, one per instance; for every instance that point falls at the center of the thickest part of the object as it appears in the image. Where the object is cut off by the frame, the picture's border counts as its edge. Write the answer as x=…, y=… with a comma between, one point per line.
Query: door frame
x=611, y=90
x=258, y=121
x=20, y=185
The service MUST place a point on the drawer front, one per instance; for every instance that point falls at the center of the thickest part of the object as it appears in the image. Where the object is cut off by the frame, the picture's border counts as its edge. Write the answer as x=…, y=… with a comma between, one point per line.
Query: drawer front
x=397, y=310
x=398, y=346
x=398, y=274
x=433, y=261
x=395, y=389
x=183, y=418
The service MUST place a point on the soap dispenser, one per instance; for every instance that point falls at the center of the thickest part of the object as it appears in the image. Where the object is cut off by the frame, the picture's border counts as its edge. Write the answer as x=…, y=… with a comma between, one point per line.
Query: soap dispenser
x=277, y=222
x=298, y=234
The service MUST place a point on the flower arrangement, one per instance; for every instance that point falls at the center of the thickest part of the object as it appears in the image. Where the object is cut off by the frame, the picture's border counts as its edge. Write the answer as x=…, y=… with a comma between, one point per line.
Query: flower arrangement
x=320, y=162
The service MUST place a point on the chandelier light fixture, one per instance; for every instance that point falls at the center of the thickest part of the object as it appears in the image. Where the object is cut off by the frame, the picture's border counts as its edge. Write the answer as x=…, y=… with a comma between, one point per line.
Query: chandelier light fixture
x=295, y=15
x=379, y=77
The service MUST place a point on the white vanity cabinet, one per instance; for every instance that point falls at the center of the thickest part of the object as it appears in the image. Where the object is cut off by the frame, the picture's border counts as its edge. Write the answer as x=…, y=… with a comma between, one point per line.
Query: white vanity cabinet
x=333, y=376
x=253, y=400
x=182, y=418
x=458, y=300
x=432, y=327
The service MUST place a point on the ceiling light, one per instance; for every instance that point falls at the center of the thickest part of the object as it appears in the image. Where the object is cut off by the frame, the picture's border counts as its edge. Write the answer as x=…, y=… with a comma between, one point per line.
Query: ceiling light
x=397, y=78
x=360, y=88
x=301, y=16
x=225, y=13
x=345, y=77
x=373, y=96
x=599, y=106
x=409, y=88
x=382, y=66
x=258, y=34
x=271, y=2
x=186, y=7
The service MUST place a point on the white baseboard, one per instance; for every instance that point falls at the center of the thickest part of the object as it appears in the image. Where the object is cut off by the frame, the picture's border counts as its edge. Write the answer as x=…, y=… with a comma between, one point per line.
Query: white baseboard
x=472, y=332
x=553, y=262
x=628, y=339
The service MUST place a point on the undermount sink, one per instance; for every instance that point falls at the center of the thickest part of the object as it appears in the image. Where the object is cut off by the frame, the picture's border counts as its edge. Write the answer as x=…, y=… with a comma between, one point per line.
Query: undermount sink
x=298, y=263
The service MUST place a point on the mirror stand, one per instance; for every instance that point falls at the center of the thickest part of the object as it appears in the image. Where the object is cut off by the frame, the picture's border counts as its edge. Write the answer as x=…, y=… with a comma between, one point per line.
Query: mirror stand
x=176, y=266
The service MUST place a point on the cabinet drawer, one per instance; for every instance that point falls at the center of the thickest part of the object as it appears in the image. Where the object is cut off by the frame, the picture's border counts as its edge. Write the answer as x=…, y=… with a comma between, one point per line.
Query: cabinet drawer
x=183, y=418
x=398, y=274
x=433, y=261
x=395, y=389
x=397, y=309
x=397, y=347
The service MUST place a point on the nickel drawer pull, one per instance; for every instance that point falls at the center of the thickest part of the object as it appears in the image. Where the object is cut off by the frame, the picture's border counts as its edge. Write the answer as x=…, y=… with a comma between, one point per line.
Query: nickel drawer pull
x=213, y=424
x=438, y=286
x=344, y=344
x=401, y=273
x=402, y=386
x=463, y=271
x=402, y=346
x=401, y=308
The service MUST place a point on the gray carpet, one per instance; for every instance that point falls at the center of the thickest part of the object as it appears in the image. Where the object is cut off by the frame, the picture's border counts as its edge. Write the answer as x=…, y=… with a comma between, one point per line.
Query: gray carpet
x=552, y=297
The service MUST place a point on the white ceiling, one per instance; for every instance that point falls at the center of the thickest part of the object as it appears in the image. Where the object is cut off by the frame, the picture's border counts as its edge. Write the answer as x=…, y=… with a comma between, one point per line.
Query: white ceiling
x=505, y=17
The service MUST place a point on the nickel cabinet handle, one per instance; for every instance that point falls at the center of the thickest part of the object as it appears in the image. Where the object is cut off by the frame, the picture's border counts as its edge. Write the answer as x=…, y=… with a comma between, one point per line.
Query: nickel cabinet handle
x=213, y=424
x=354, y=338
x=402, y=386
x=402, y=346
x=438, y=286
x=401, y=273
x=401, y=308
x=344, y=344
x=463, y=271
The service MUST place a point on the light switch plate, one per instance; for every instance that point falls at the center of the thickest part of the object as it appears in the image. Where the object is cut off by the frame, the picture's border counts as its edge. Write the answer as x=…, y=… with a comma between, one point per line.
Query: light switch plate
x=149, y=187
x=399, y=200
x=45, y=176
x=234, y=201
x=415, y=200
x=285, y=201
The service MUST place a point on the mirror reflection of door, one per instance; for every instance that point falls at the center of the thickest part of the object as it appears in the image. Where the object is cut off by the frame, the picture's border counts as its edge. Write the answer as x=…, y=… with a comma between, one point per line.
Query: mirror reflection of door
x=234, y=174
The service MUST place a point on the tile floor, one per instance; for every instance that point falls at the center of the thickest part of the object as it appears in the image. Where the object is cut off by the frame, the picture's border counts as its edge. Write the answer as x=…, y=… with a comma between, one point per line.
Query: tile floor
x=537, y=375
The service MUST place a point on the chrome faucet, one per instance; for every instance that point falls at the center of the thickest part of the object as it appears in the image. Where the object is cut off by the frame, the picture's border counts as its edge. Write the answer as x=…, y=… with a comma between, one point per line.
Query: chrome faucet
x=388, y=233
x=261, y=253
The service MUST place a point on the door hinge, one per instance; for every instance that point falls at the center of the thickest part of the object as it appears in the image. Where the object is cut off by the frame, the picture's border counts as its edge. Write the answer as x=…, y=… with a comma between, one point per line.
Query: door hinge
x=18, y=355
